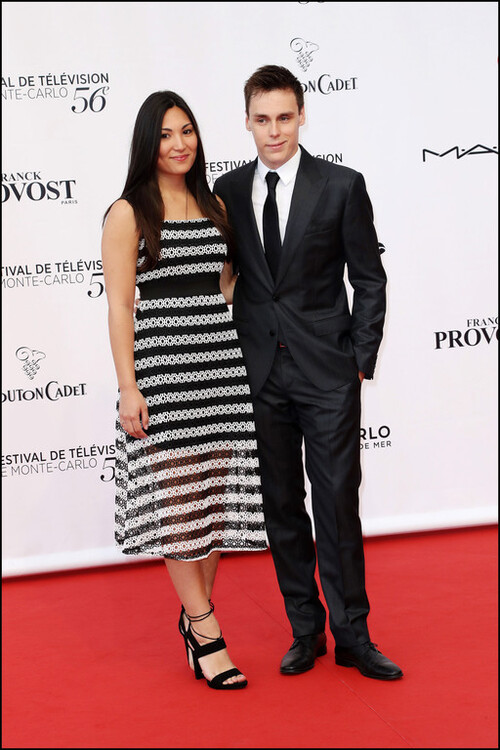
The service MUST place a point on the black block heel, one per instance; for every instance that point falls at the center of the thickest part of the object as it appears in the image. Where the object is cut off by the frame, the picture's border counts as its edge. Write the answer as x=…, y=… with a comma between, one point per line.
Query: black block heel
x=183, y=632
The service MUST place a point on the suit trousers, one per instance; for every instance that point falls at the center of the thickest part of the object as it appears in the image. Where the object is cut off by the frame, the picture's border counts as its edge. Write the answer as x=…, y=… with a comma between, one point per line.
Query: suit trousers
x=292, y=414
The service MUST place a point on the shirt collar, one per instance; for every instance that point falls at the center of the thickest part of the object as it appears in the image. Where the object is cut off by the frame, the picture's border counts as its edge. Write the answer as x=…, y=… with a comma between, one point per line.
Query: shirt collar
x=286, y=172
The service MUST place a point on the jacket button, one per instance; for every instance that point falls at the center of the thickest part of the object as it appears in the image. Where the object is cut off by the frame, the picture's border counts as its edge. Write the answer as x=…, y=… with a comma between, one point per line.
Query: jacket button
x=276, y=297
x=272, y=333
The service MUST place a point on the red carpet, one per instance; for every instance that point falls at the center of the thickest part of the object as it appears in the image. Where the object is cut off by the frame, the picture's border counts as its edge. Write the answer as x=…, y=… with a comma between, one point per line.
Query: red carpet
x=92, y=659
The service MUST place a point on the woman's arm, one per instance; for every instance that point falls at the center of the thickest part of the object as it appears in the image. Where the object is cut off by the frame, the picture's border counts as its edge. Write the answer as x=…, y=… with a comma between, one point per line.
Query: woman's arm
x=227, y=279
x=119, y=257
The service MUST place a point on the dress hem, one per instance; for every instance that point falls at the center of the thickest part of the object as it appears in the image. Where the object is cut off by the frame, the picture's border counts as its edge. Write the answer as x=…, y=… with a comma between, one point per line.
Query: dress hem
x=195, y=559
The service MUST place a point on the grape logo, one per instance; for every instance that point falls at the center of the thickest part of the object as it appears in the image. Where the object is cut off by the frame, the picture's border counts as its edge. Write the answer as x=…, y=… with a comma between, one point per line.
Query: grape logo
x=326, y=83
x=30, y=359
x=50, y=392
x=304, y=50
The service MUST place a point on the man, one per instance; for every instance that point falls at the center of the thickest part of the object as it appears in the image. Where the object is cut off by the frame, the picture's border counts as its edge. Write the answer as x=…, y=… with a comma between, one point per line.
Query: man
x=306, y=354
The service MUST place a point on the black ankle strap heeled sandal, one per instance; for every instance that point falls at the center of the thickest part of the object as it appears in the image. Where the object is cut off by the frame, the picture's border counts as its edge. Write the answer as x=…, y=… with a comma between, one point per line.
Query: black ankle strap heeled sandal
x=198, y=651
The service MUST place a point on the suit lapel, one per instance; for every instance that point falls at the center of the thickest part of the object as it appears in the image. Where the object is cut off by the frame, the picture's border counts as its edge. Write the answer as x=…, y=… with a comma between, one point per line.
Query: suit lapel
x=309, y=185
x=247, y=223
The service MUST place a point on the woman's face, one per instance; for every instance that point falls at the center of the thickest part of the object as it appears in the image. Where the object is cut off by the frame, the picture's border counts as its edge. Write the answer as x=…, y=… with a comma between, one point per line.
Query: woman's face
x=178, y=143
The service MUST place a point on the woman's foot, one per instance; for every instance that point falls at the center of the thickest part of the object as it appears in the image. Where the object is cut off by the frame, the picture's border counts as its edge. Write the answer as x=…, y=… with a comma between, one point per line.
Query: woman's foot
x=218, y=662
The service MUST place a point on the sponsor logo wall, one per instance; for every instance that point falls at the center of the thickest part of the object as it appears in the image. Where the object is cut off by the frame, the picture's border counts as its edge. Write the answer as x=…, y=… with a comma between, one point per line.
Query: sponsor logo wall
x=386, y=93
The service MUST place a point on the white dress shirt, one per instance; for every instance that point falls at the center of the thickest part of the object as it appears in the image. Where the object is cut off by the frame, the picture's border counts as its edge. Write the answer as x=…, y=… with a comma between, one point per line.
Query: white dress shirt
x=284, y=190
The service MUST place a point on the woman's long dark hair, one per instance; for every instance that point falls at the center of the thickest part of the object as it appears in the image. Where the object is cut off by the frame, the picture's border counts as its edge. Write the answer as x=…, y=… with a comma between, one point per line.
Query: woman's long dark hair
x=141, y=186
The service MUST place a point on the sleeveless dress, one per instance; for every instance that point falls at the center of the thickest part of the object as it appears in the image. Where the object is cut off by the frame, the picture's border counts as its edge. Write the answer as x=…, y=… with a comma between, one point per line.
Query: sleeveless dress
x=193, y=485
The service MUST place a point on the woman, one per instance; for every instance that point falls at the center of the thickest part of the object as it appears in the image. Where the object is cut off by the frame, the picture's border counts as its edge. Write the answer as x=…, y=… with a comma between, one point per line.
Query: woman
x=187, y=473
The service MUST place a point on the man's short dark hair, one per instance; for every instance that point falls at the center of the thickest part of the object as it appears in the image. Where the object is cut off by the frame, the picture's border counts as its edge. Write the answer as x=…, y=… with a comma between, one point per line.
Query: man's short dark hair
x=270, y=78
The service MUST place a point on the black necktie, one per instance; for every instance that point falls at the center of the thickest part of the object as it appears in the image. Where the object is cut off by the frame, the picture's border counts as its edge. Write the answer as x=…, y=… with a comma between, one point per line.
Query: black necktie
x=271, y=227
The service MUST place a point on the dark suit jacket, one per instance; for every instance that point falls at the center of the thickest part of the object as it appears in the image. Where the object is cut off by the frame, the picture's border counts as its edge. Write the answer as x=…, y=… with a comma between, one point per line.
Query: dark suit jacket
x=330, y=227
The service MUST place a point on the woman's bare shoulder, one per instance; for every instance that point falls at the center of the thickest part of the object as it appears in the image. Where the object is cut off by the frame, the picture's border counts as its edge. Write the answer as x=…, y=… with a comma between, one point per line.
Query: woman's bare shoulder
x=221, y=203
x=121, y=210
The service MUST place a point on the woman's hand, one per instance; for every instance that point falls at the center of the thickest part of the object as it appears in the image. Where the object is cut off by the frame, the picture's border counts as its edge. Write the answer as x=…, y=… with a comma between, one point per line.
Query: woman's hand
x=133, y=411
x=227, y=282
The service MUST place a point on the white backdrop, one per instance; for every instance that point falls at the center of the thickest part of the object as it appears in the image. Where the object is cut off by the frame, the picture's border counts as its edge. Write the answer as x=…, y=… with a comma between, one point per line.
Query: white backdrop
x=405, y=93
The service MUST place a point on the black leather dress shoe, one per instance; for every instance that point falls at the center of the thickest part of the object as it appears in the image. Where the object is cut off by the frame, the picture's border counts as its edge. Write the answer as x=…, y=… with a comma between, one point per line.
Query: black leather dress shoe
x=303, y=651
x=369, y=661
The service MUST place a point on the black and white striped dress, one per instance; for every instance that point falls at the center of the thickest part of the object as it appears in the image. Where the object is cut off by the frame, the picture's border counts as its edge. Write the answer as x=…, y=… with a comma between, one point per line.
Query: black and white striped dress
x=193, y=485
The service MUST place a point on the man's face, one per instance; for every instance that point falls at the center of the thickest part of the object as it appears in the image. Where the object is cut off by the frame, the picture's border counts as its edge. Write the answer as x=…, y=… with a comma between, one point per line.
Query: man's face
x=274, y=121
